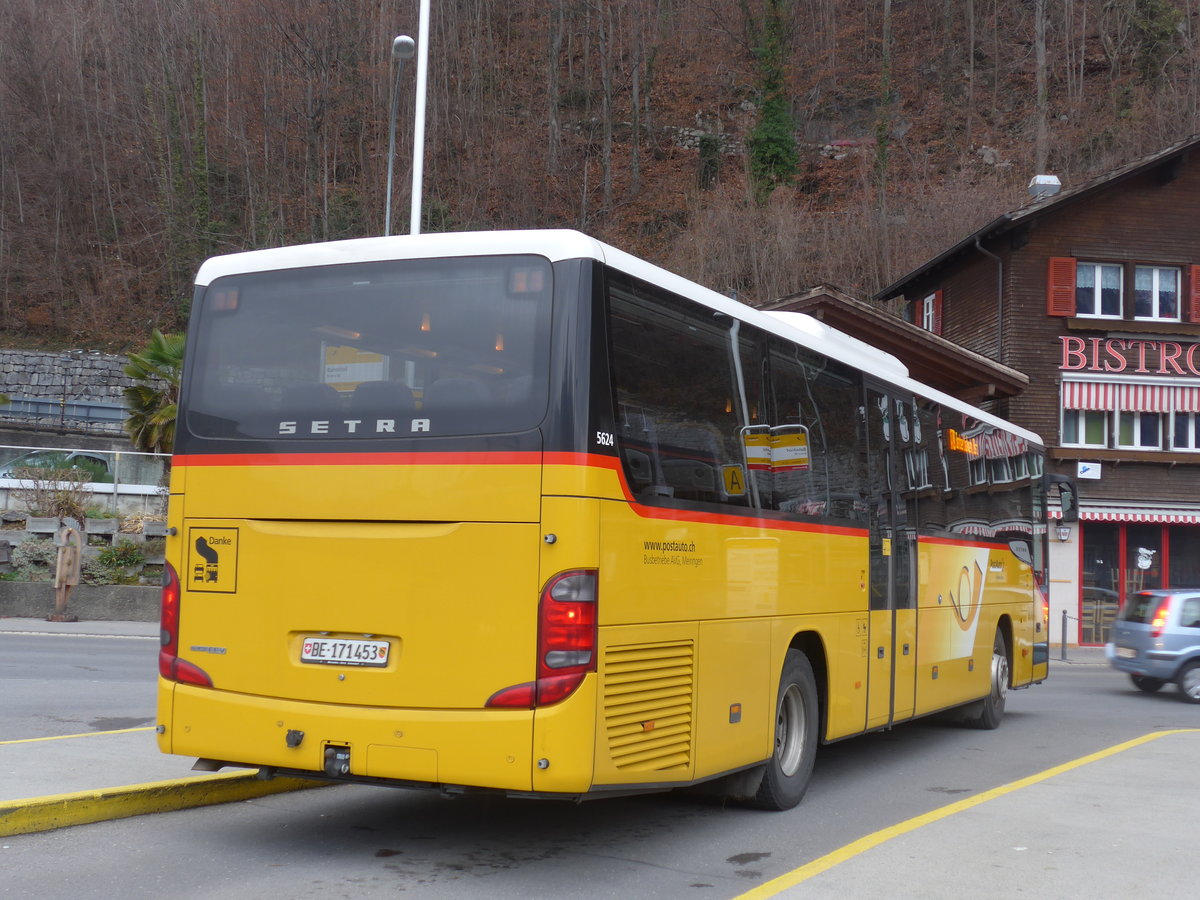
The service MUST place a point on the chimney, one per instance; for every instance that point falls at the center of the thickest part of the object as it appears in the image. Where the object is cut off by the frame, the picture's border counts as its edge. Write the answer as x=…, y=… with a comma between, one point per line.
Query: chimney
x=1043, y=186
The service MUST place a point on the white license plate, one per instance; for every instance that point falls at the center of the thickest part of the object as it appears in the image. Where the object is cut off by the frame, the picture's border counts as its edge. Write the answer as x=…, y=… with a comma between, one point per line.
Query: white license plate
x=343, y=652
x=1126, y=653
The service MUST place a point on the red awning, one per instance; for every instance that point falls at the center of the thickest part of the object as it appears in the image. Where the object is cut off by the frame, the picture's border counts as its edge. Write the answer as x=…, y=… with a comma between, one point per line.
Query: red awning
x=1187, y=399
x=1189, y=515
x=1108, y=396
x=1153, y=398
x=1089, y=395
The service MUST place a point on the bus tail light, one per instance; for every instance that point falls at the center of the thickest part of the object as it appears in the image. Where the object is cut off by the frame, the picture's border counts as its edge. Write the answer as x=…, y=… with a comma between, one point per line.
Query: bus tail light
x=170, y=666
x=1159, y=622
x=566, y=644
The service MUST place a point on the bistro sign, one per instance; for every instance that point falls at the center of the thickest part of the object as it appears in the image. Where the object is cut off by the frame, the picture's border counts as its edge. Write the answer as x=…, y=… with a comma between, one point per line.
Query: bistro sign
x=1134, y=356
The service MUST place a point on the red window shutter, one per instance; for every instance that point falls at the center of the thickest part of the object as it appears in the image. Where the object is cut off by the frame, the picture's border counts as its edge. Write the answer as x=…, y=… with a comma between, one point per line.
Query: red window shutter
x=937, y=311
x=1194, y=294
x=1060, y=286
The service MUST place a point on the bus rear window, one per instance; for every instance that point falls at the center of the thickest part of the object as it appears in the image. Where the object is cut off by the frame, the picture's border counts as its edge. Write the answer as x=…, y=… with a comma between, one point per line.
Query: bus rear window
x=373, y=350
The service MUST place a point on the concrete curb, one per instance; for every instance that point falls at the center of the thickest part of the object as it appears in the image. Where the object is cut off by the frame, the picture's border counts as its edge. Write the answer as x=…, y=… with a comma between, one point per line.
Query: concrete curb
x=86, y=807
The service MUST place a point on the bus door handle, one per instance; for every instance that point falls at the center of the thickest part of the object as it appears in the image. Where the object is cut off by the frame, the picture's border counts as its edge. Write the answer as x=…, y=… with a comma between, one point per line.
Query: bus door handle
x=880, y=653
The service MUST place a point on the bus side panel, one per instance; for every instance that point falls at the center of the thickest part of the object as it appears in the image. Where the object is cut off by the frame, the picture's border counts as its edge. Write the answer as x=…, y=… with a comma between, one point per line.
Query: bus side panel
x=736, y=710
x=646, y=731
x=949, y=668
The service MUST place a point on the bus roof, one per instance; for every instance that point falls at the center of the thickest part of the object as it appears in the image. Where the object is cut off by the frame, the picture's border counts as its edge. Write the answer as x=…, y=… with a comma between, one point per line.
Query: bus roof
x=562, y=244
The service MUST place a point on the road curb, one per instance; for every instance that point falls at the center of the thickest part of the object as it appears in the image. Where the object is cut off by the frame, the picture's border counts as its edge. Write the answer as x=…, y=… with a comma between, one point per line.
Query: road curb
x=86, y=807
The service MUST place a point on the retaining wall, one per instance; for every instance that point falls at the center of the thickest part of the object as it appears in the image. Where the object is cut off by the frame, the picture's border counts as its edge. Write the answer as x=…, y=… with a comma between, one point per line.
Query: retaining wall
x=90, y=602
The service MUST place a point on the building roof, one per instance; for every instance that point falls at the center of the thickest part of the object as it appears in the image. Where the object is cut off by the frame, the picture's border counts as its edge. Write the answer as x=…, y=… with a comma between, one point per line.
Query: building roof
x=930, y=359
x=1166, y=161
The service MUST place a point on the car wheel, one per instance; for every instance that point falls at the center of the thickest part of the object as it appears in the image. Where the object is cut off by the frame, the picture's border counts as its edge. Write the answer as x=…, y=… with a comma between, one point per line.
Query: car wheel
x=797, y=717
x=1143, y=683
x=1189, y=682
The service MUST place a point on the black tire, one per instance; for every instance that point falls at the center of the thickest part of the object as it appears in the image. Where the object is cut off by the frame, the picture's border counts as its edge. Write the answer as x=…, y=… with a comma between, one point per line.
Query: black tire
x=987, y=713
x=797, y=728
x=1146, y=684
x=1188, y=681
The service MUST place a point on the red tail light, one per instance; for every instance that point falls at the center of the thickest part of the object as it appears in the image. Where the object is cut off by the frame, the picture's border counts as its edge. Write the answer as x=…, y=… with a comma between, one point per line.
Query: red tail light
x=1159, y=622
x=566, y=642
x=170, y=666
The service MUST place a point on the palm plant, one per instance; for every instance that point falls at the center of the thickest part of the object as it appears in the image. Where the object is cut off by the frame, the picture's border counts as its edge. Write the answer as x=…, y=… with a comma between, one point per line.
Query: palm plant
x=153, y=401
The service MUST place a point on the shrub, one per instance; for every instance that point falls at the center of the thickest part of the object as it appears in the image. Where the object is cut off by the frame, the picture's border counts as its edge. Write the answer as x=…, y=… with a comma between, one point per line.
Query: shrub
x=34, y=559
x=54, y=493
x=122, y=555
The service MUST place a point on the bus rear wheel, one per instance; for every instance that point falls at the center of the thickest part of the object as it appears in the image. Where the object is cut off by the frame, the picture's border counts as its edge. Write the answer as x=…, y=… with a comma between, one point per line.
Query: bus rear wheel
x=797, y=720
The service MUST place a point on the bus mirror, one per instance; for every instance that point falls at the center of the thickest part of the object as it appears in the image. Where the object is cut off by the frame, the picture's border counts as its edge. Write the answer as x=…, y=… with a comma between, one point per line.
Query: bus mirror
x=1068, y=498
x=1020, y=549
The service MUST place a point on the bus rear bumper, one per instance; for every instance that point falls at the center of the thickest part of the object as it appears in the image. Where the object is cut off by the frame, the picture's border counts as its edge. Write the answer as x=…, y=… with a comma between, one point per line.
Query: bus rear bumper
x=486, y=748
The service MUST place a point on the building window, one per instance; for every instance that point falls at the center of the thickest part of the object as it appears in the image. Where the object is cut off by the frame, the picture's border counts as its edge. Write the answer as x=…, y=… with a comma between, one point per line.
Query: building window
x=927, y=313
x=917, y=464
x=1098, y=290
x=1139, y=430
x=1156, y=293
x=1084, y=428
x=1185, y=434
x=977, y=470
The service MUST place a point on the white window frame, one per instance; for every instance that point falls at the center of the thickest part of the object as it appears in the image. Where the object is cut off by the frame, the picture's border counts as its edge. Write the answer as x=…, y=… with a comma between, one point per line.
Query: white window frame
x=916, y=462
x=1193, y=444
x=1097, y=286
x=1155, y=291
x=977, y=470
x=929, y=311
x=1000, y=470
x=1080, y=416
x=1137, y=430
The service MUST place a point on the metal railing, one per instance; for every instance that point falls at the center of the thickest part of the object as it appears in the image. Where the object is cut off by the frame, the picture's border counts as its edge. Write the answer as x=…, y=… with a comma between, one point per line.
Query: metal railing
x=129, y=477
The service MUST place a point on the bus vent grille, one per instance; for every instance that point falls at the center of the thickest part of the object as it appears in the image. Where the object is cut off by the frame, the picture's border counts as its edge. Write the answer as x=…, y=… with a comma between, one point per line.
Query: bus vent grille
x=648, y=706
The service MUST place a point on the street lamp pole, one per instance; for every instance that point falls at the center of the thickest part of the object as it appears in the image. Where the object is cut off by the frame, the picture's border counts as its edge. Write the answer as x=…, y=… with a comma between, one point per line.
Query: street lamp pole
x=419, y=123
x=403, y=48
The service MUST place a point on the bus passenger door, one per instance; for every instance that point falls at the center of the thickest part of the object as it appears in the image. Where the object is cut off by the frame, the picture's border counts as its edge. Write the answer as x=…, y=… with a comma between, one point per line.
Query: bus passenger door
x=891, y=665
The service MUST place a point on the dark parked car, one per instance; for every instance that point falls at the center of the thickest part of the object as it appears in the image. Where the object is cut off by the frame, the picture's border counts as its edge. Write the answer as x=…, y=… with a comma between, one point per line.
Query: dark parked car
x=1156, y=639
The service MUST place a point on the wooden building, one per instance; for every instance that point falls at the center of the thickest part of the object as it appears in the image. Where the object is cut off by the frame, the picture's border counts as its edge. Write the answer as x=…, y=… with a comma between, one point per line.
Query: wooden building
x=1093, y=293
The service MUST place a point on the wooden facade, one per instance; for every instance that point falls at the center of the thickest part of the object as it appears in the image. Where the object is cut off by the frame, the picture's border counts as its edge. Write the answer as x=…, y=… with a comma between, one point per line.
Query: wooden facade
x=1094, y=294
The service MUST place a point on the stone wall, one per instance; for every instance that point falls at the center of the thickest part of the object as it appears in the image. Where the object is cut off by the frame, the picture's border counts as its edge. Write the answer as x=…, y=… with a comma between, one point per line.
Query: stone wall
x=67, y=379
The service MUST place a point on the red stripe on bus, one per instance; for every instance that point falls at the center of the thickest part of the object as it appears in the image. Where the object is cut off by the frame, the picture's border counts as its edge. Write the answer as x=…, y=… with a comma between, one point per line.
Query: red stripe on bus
x=591, y=460
x=531, y=458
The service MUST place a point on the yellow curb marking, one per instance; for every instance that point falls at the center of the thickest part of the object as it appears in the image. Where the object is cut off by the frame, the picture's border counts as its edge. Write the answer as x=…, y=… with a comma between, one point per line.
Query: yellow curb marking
x=87, y=807
x=870, y=841
x=63, y=737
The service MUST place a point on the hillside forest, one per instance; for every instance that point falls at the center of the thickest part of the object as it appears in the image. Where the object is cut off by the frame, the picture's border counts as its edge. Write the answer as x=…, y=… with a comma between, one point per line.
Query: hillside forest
x=757, y=146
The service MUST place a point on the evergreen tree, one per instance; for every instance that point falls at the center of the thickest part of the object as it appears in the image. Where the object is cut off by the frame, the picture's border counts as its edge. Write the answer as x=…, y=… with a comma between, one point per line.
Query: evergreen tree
x=772, y=143
x=154, y=401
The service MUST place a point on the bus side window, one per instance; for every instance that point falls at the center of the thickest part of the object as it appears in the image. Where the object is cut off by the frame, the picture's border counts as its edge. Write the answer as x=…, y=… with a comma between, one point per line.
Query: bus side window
x=815, y=392
x=678, y=404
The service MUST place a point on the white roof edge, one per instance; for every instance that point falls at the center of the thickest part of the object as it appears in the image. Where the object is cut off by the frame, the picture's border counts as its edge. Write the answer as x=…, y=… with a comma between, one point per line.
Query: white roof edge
x=561, y=244
x=554, y=244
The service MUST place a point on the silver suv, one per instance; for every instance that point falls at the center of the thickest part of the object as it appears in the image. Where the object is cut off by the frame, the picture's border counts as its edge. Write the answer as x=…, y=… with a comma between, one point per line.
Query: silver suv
x=1156, y=639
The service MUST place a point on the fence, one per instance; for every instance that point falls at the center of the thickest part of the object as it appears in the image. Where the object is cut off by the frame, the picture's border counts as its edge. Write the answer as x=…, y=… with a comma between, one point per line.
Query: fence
x=123, y=482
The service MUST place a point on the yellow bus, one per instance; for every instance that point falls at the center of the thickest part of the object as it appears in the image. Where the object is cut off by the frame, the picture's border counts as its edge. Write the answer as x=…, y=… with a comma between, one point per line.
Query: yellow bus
x=519, y=511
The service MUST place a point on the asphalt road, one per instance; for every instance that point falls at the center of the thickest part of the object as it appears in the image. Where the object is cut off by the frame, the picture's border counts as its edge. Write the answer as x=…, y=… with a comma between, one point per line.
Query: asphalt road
x=57, y=684
x=356, y=842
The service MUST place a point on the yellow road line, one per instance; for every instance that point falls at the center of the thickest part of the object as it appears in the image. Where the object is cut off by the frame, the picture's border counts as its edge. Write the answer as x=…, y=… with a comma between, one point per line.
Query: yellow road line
x=63, y=737
x=870, y=841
